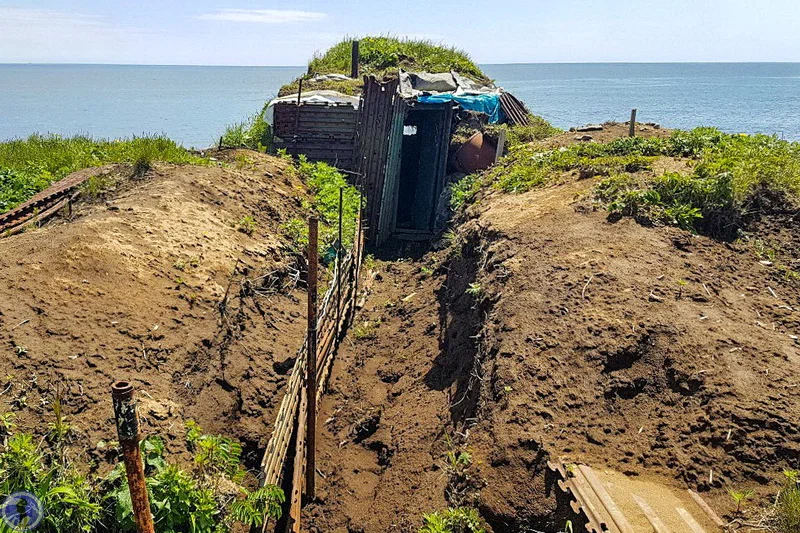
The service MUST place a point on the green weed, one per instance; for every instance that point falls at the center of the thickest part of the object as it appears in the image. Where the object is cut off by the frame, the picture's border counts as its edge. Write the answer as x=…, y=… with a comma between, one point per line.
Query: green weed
x=247, y=225
x=253, y=133
x=739, y=497
x=379, y=54
x=365, y=331
x=30, y=165
x=475, y=290
x=788, y=504
x=453, y=520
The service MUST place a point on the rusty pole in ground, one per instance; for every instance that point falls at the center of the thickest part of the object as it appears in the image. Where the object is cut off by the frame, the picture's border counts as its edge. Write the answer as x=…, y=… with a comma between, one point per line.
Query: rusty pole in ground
x=632, y=129
x=339, y=268
x=311, y=360
x=128, y=432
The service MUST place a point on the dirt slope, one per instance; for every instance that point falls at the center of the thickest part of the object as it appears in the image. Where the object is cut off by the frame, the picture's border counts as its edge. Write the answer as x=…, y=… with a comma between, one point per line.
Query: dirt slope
x=647, y=350
x=132, y=288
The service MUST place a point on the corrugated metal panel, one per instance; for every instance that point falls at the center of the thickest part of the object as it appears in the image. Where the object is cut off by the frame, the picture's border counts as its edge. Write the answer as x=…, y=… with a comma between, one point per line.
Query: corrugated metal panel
x=515, y=111
x=321, y=132
x=391, y=187
x=375, y=118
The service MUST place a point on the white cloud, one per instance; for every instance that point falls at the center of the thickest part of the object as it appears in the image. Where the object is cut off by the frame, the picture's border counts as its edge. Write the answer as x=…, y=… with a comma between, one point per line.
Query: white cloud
x=264, y=16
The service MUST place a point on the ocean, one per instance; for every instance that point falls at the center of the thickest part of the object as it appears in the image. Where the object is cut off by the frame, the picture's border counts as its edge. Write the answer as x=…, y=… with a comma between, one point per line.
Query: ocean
x=194, y=104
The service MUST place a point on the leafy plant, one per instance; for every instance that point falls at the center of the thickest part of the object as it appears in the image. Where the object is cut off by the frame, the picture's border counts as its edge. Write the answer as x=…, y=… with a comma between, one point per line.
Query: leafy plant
x=247, y=225
x=253, y=133
x=453, y=520
x=739, y=497
x=474, y=290
x=364, y=331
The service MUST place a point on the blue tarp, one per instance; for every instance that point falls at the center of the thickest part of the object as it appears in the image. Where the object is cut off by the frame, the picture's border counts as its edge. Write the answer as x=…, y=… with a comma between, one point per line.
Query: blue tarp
x=483, y=103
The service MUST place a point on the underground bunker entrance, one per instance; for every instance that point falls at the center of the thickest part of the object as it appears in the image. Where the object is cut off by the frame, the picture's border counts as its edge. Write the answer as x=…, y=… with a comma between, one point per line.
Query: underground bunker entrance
x=421, y=169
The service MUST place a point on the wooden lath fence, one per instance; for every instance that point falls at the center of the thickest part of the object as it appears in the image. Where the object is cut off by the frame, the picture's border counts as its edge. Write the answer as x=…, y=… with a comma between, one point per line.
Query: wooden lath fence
x=335, y=312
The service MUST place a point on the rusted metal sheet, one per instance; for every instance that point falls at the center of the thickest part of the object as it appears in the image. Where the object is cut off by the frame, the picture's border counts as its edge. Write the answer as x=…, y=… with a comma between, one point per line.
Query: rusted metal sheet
x=321, y=132
x=374, y=123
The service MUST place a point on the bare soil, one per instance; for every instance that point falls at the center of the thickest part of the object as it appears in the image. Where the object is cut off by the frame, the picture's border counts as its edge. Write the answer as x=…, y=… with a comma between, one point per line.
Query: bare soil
x=155, y=283
x=648, y=350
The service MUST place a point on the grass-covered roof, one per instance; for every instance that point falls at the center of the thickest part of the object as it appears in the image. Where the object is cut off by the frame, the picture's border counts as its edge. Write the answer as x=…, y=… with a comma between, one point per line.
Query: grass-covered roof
x=384, y=55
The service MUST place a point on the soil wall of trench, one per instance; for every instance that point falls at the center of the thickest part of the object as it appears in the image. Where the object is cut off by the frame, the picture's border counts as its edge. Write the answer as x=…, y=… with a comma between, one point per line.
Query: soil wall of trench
x=545, y=331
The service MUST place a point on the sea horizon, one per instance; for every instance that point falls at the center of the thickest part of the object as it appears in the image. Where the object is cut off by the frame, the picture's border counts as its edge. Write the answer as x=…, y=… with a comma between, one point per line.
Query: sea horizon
x=193, y=104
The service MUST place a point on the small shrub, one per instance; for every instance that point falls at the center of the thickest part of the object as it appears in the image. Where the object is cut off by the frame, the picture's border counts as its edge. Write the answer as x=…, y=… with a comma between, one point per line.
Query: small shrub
x=365, y=331
x=787, y=505
x=739, y=497
x=247, y=225
x=454, y=520
x=253, y=133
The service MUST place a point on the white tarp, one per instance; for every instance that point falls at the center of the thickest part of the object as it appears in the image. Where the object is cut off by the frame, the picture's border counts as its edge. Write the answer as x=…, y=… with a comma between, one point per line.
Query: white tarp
x=417, y=83
x=315, y=97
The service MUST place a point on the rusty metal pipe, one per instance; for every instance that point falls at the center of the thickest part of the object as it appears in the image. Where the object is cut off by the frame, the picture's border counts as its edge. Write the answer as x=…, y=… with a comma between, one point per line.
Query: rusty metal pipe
x=311, y=363
x=128, y=433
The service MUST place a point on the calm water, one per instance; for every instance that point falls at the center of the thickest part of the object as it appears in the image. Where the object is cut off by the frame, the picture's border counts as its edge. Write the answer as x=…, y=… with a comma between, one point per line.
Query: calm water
x=194, y=104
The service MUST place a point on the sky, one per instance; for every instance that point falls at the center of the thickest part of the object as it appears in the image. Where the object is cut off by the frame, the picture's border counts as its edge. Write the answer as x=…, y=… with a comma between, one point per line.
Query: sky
x=250, y=32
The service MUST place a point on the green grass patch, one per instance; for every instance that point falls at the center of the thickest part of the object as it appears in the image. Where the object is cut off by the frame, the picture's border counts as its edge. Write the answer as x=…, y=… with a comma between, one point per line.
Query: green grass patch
x=384, y=55
x=537, y=129
x=324, y=183
x=30, y=165
x=732, y=173
x=253, y=133
x=379, y=54
x=200, y=500
x=453, y=520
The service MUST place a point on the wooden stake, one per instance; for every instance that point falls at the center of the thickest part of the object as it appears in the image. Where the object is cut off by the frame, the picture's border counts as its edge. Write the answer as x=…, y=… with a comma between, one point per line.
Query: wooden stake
x=311, y=363
x=354, y=59
x=632, y=129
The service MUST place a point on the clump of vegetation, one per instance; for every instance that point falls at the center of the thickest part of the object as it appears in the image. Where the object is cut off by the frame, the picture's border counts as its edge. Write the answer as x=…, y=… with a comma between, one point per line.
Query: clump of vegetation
x=365, y=331
x=787, y=505
x=384, y=55
x=180, y=500
x=379, y=54
x=739, y=497
x=537, y=129
x=453, y=520
x=30, y=165
x=733, y=173
x=247, y=224
x=324, y=183
x=254, y=133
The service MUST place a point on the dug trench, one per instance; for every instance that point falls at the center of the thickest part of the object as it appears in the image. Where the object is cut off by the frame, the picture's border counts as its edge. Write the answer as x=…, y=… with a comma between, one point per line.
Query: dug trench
x=543, y=330
x=178, y=280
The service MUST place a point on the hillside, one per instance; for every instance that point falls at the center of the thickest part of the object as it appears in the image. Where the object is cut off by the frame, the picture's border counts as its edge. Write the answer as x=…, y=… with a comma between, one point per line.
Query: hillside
x=381, y=56
x=555, y=326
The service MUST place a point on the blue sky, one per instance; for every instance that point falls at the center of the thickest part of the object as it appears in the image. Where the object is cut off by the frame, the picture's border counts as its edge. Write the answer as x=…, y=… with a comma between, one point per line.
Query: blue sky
x=250, y=32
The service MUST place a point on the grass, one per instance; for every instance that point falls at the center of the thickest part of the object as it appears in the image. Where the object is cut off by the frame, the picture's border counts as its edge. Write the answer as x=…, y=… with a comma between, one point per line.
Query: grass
x=30, y=165
x=253, y=133
x=200, y=501
x=381, y=55
x=787, y=504
x=324, y=183
x=453, y=520
x=735, y=174
x=732, y=176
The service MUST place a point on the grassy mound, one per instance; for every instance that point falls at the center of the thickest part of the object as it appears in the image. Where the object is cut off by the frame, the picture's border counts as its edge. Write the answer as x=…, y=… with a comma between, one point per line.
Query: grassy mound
x=382, y=55
x=33, y=164
x=729, y=175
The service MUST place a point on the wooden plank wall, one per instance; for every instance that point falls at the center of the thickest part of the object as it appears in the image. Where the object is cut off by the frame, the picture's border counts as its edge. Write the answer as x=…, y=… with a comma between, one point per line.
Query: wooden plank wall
x=321, y=132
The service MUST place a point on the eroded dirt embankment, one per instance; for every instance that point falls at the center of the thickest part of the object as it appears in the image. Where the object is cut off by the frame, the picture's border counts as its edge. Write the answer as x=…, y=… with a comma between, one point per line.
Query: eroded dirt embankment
x=166, y=283
x=546, y=330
